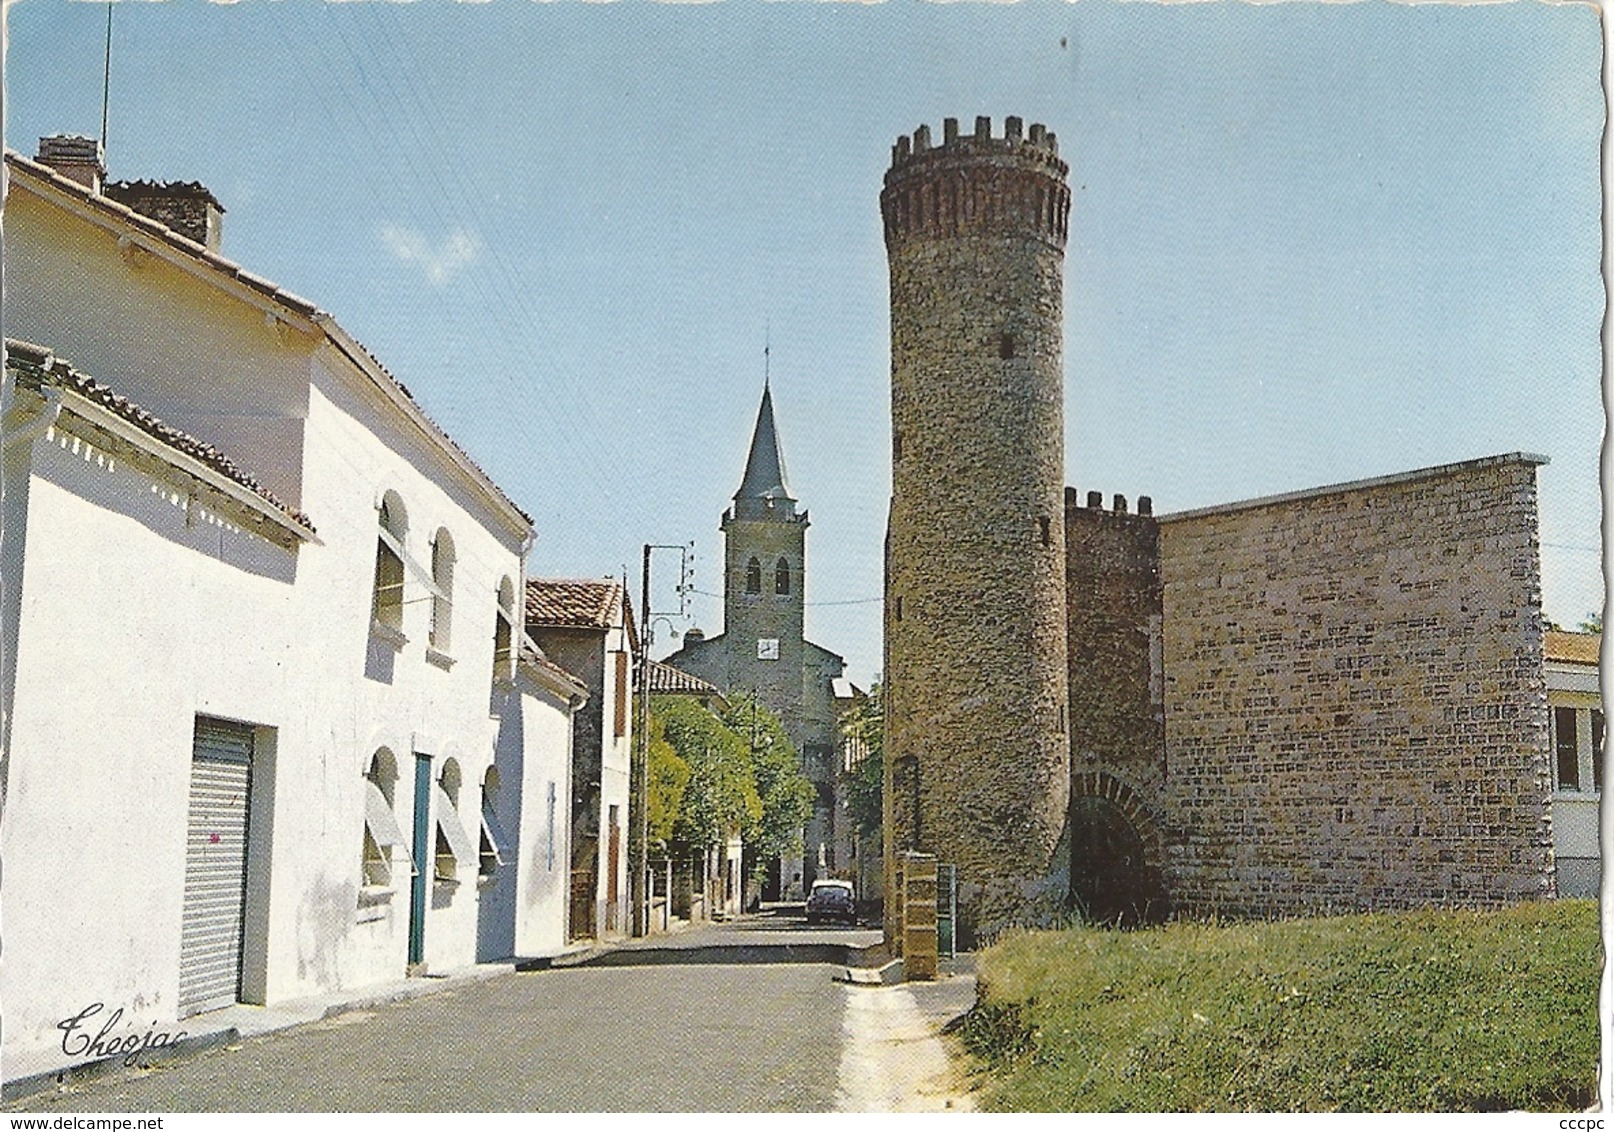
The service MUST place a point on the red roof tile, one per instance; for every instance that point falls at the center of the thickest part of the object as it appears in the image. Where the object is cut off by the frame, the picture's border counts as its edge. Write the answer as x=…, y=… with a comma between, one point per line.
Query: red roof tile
x=1573, y=648
x=586, y=603
x=665, y=680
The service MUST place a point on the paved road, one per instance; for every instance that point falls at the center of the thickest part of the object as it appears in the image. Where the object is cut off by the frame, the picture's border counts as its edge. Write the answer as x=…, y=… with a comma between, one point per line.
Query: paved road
x=740, y=1017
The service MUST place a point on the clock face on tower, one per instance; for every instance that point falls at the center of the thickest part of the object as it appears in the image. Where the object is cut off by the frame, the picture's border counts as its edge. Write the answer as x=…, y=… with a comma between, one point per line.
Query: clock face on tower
x=767, y=648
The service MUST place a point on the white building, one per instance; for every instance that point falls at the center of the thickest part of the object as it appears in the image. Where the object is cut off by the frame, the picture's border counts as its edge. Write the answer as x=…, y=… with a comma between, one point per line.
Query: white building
x=586, y=625
x=270, y=729
x=1575, y=722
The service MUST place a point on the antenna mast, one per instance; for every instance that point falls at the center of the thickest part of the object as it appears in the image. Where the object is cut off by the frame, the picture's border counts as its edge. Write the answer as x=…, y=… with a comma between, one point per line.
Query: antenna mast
x=106, y=78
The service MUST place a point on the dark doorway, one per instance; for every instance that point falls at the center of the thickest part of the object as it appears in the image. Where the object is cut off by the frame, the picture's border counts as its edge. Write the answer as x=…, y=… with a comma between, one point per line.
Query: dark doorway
x=1111, y=881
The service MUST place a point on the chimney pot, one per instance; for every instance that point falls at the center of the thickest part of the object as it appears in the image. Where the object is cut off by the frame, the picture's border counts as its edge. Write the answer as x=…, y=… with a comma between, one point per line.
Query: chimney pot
x=1095, y=500
x=186, y=207
x=75, y=157
x=1145, y=505
x=1120, y=504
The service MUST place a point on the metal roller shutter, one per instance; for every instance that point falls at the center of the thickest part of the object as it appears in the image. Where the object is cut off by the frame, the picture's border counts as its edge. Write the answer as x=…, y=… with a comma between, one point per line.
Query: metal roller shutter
x=215, y=867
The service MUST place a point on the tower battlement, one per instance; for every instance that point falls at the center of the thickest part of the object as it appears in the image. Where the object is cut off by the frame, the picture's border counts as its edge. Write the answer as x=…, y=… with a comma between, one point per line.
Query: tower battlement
x=977, y=184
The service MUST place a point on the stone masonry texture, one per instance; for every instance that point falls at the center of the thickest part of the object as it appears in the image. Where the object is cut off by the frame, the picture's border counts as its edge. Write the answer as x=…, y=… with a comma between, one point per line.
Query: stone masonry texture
x=975, y=628
x=1355, y=699
x=1117, y=710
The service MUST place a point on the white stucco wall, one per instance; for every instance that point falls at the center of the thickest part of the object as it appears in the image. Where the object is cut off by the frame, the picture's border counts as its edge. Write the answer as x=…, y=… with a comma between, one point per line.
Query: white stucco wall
x=137, y=616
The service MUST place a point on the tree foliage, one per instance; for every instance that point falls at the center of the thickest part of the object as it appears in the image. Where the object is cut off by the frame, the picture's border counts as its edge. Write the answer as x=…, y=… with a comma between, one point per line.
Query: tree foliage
x=720, y=795
x=864, y=724
x=669, y=778
x=786, y=794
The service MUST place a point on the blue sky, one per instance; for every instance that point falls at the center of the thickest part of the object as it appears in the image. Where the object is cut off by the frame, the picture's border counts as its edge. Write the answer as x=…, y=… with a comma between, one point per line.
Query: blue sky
x=1309, y=243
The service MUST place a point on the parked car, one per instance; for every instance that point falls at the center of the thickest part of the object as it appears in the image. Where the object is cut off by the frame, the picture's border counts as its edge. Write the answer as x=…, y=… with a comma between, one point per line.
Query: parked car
x=832, y=900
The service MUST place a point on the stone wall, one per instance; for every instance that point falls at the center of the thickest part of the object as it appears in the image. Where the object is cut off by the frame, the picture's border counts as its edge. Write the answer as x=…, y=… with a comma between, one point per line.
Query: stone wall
x=1355, y=701
x=1117, y=710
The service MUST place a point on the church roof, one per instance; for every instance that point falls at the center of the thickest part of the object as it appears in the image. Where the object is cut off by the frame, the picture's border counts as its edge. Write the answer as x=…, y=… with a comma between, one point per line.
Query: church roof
x=665, y=680
x=763, y=488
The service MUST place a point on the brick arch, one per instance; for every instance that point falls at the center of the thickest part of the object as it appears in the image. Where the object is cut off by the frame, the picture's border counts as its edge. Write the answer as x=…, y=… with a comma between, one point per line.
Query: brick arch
x=1119, y=879
x=1103, y=784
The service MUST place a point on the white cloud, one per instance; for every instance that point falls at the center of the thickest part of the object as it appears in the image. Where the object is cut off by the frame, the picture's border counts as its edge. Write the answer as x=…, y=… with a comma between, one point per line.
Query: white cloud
x=439, y=264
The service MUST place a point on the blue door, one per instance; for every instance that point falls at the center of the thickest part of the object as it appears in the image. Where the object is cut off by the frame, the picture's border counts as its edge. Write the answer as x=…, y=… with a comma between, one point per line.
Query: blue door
x=423, y=860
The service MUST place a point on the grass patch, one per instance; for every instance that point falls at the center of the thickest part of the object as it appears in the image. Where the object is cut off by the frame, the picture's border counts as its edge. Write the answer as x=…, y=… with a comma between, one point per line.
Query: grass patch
x=1432, y=1010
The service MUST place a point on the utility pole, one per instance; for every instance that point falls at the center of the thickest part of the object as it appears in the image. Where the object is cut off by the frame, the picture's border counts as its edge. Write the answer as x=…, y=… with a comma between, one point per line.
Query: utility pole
x=638, y=845
x=639, y=777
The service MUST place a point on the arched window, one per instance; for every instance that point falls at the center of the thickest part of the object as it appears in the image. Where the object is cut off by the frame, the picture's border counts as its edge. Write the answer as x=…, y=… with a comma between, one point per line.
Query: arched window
x=504, y=631
x=388, y=601
x=381, y=832
x=753, y=577
x=490, y=855
x=781, y=577
x=443, y=599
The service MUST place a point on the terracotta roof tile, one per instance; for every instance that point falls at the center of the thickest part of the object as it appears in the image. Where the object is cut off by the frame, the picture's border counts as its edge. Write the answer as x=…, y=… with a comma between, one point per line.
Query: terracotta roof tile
x=665, y=680
x=1573, y=648
x=574, y=602
x=37, y=366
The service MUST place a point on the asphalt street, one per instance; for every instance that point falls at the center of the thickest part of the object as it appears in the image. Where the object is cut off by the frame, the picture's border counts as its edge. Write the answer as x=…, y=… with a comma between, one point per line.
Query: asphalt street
x=739, y=1017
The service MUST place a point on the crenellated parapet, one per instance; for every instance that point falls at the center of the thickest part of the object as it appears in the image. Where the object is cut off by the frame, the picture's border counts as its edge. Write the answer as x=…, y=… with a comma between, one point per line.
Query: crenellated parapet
x=977, y=184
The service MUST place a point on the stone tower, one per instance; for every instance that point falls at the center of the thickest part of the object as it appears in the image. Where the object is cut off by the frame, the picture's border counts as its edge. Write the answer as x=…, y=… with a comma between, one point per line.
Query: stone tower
x=764, y=544
x=977, y=757
x=762, y=648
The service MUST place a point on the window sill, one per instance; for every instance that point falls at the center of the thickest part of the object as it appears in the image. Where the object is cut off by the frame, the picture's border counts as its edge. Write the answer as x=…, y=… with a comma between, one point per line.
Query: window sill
x=375, y=903
x=485, y=880
x=385, y=633
x=440, y=659
x=445, y=884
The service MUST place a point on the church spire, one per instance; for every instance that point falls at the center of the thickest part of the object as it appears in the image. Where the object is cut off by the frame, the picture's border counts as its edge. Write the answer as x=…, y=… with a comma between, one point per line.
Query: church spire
x=763, y=493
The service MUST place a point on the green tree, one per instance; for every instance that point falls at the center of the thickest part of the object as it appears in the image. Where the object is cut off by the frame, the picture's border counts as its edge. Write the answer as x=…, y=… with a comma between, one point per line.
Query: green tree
x=864, y=725
x=1593, y=622
x=669, y=778
x=720, y=796
x=786, y=794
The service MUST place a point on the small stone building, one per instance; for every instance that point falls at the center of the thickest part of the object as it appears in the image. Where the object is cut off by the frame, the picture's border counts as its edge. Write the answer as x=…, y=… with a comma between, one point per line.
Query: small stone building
x=1575, y=723
x=586, y=625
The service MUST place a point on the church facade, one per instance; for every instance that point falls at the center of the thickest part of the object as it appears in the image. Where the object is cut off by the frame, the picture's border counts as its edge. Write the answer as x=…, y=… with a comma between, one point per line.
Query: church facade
x=763, y=650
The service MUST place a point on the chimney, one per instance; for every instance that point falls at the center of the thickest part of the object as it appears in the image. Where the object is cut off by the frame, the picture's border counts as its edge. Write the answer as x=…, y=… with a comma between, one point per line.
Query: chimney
x=76, y=158
x=185, y=206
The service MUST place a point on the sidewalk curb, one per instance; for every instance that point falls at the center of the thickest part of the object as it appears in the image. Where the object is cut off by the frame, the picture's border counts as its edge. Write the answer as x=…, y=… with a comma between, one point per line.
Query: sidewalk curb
x=35, y=1083
x=886, y=975
x=284, y=1016
x=428, y=984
